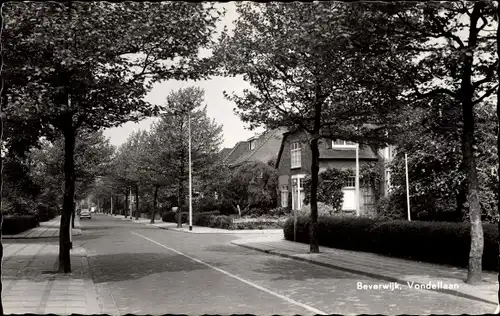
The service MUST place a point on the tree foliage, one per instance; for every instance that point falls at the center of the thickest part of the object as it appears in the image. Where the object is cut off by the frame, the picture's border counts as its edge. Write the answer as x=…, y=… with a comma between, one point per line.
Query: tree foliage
x=251, y=185
x=448, y=49
x=89, y=64
x=302, y=71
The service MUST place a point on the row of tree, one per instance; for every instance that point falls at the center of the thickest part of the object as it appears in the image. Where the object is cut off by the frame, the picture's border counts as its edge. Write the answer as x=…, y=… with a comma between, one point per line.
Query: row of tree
x=358, y=72
x=69, y=67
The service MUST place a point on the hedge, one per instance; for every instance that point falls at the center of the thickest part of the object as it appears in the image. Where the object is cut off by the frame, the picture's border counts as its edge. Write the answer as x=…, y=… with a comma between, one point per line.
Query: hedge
x=45, y=212
x=170, y=216
x=13, y=225
x=436, y=242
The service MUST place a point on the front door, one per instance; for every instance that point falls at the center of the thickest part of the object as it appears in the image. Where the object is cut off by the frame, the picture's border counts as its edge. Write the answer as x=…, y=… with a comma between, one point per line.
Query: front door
x=349, y=203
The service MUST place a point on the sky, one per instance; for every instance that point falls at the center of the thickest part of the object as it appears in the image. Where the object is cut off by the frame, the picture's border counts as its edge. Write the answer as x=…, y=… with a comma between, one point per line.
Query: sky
x=218, y=108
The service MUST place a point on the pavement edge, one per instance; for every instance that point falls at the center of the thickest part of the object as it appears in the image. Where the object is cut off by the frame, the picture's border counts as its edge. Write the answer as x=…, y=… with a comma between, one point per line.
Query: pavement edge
x=356, y=271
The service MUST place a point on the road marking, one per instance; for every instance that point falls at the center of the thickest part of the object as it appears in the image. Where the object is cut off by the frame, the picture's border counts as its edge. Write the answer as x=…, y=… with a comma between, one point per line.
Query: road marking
x=310, y=308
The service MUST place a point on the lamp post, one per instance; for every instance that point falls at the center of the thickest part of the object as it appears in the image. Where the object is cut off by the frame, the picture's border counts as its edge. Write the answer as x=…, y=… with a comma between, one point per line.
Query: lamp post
x=357, y=180
x=190, y=179
x=407, y=187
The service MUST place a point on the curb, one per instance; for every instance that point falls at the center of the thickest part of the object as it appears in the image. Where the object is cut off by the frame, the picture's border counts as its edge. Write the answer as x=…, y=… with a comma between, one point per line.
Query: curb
x=360, y=272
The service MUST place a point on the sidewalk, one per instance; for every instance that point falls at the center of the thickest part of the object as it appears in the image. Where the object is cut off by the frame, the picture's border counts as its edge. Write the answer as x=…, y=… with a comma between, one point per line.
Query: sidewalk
x=384, y=268
x=201, y=229
x=46, y=230
x=32, y=285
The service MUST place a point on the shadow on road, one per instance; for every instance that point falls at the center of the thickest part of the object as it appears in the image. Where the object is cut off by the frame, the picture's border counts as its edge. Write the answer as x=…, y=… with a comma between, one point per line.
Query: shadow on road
x=287, y=269
x=133, y=266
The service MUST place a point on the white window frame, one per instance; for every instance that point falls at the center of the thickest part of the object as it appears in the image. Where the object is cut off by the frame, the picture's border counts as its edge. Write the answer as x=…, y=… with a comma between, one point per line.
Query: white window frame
x=284, y=195
x=252, y=145
x=350, y=186
x=297, y=190
x=345, y=144
x=295, y=155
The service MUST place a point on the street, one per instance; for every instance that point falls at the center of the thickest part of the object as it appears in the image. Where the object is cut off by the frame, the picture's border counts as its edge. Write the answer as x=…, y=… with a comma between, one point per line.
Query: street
x=145, y=270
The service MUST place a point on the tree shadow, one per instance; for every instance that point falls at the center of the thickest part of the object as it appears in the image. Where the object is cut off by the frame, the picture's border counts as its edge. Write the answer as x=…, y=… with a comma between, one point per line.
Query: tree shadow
x=132, y=266
x=289, y=269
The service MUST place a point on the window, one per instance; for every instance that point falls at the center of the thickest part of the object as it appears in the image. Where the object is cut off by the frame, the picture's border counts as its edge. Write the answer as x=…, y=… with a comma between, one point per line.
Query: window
x=284, y=195
x=252, y=144
x=295, y=155
x=351, y=182
x=342, y=143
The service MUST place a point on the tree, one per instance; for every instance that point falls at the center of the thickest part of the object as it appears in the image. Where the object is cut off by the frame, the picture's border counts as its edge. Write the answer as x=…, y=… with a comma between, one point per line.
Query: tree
x=170, y=138
x=448, y=48
x=252, y=184
x=75, y=66
x=93, y=154
x=301, y=70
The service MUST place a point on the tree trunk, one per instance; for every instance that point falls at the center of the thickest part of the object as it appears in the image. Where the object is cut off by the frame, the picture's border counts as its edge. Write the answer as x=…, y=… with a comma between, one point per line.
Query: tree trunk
x=137, y=202
x=467, y=93
x=1, y=243
x=68, y=202
x=126, y=204
x=313, y=238
x=73, y=213
x=498, y=146
x=155, y=197
x=180, y=201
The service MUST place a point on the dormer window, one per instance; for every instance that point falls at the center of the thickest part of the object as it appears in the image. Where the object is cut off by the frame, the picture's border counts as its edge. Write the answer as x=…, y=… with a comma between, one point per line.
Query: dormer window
x=343, y=144
x=252, y=144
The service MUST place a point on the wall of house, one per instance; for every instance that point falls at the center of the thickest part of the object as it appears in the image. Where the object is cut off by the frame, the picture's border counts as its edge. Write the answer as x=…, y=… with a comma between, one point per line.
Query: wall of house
x=367, y=200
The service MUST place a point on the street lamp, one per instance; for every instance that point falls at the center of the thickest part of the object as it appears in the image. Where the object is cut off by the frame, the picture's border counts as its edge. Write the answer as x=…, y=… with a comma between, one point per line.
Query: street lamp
x=357, y=180
x=190, y=179
x=188, y=108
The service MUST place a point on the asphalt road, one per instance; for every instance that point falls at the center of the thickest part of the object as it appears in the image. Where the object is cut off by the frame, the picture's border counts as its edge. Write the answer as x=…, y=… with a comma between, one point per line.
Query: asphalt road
x=145, y=270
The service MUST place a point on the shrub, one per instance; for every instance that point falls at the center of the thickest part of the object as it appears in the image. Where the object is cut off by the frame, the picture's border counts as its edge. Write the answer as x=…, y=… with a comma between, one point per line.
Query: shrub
x=214, y=221
x=225, y=207
x=279, y=211
x=330, y=184
x=13, y=225
x=438, y=242
x=205, y=204
x=170, y=216
x=258, y=225
x=388, y=209
x=323, y=210
x=45, y=212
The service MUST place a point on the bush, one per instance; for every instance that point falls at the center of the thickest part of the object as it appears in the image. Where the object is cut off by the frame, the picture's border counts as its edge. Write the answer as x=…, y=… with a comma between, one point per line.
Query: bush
x=258, y=225
x=323, y=210
x=437, y=242
x=205, y=204
x=225, y=207
x=279, y=211
x=212, y=220
x=171, y=217
x=45, y=212
x=13, y=225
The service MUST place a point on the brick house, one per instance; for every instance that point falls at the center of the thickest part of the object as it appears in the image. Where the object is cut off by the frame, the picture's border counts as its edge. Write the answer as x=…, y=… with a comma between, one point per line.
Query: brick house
x=294, y=163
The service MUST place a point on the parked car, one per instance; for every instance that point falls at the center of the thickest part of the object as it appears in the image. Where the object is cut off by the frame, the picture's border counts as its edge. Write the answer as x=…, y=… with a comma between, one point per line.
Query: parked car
x=85, y=213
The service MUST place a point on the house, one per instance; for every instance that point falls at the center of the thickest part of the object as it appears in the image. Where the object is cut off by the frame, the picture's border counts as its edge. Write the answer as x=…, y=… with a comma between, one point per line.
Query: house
x=263, y=148
x=294, y=163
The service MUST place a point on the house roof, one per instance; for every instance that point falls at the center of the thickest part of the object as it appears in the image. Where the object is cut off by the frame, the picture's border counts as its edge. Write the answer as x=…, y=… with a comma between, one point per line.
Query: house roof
x=365, y=152
x=265, y=149
x=224, y=153
x=239, y=149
